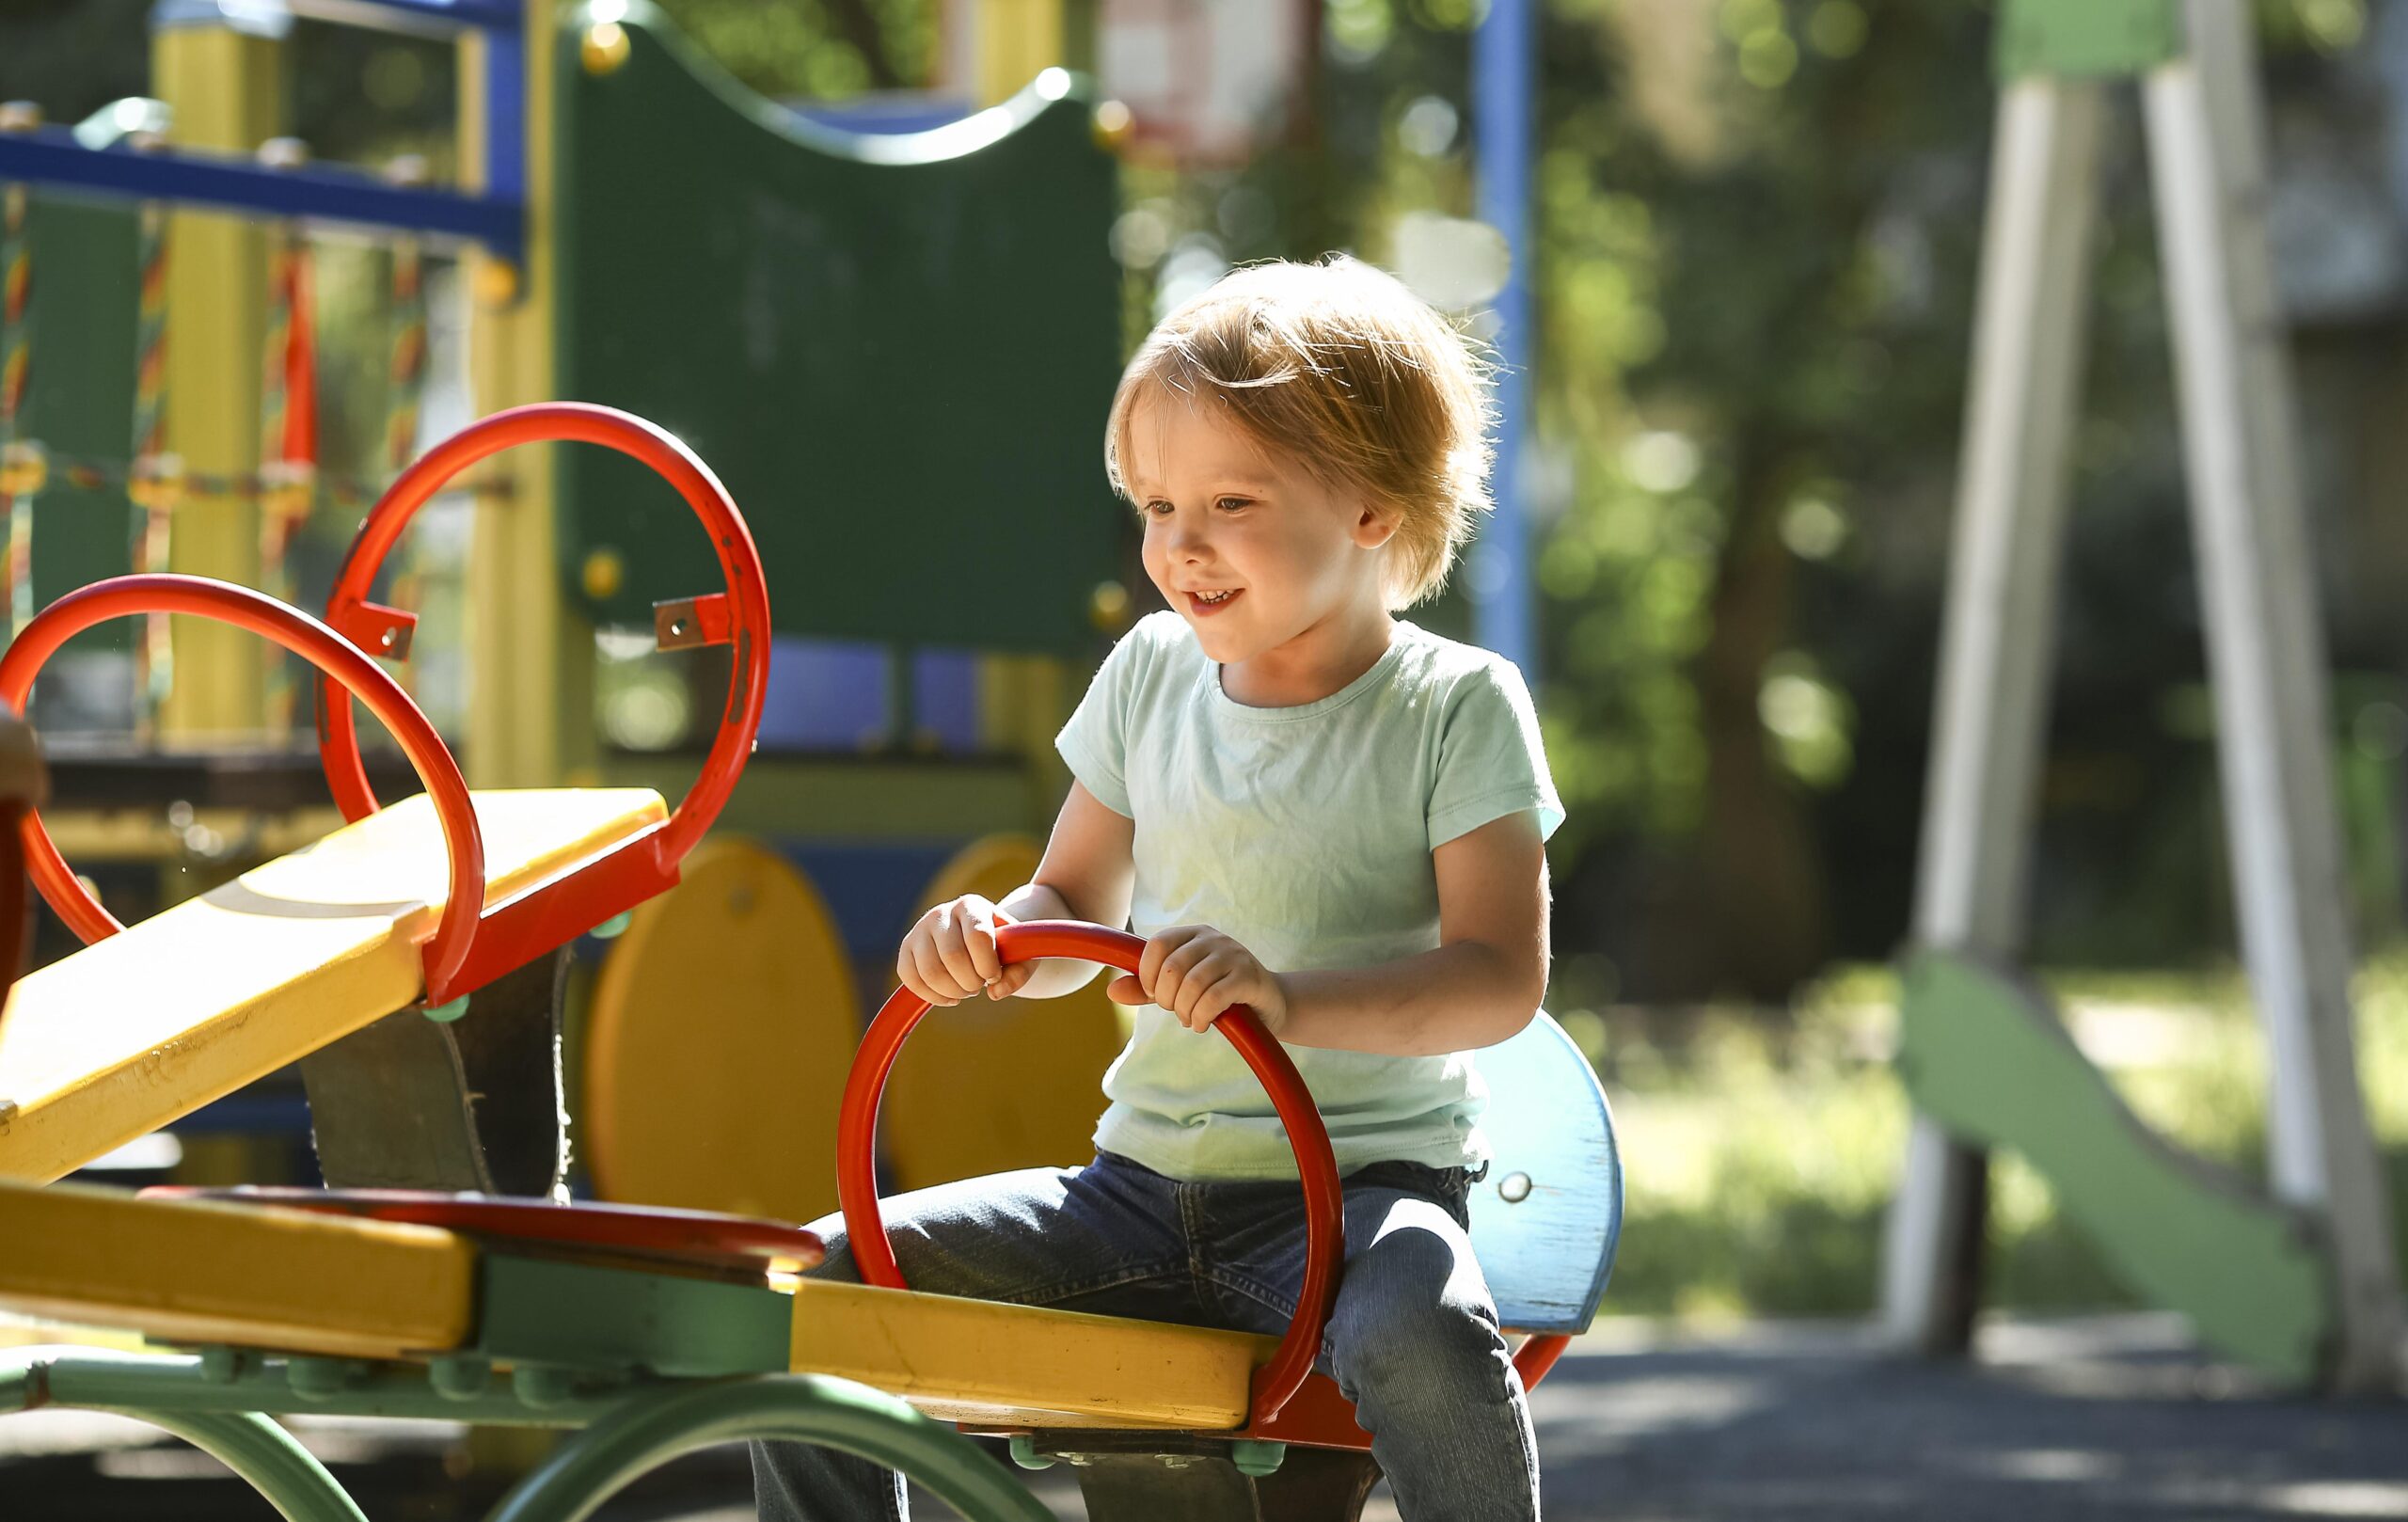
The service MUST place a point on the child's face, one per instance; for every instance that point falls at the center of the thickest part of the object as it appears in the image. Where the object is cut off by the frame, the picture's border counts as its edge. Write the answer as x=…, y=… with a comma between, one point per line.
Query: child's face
x=1250, y=547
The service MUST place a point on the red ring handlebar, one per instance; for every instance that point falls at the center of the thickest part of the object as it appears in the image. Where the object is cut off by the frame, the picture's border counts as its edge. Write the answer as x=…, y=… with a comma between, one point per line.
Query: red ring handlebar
x=583, y=423
x=1324, y=1215
x=322, y=647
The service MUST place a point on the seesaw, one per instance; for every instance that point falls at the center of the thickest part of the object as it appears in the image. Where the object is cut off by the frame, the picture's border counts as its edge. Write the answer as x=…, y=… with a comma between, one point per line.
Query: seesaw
x=659, y=1332
x=413, y=907
x=655, y=1332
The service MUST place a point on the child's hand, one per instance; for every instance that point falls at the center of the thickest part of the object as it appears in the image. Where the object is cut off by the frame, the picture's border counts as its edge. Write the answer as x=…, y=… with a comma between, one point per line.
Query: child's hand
x=1195, y=973
x=950, y=954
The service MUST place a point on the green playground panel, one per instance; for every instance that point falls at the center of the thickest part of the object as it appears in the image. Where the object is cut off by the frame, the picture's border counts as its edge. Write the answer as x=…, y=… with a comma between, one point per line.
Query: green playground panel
x=898, y=352
x=2086, y=38
x=79, y=395
x=1990, y=1059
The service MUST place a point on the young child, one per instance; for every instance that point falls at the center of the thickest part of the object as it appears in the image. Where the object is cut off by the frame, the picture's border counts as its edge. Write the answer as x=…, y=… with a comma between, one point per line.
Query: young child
x=1308, y=806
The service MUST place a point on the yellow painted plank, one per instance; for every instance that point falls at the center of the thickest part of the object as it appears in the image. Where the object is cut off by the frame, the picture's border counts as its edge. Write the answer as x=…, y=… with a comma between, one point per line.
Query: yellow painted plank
x=978, y=1360
x=207, y=1272
x=125, y=1036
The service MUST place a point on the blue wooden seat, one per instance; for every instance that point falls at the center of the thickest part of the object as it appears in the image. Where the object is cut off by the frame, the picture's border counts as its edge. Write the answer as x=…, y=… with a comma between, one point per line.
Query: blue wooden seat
x=1546, y=1218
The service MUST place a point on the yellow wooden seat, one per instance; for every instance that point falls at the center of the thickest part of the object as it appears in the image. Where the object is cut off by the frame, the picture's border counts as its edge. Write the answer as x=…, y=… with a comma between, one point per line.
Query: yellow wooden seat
x=993, y=1365
x=145, y=1027
x=205, y=1272
x=296, y=1281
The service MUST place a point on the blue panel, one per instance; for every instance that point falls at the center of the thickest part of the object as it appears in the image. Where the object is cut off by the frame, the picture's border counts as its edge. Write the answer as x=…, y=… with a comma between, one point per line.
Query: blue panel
x=885, y=114
x=502, y=18
x=260, y=1109
x=872, y=891
x=944, y=699
x=1548, y=1255
x=825, y=695
x=506, y=118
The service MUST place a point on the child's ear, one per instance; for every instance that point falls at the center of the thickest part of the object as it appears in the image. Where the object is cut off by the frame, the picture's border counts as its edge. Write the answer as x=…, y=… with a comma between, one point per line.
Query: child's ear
x=1374, y=526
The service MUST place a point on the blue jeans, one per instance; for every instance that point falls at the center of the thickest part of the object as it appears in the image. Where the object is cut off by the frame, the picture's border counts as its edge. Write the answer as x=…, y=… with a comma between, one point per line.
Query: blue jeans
x=1413, y=1339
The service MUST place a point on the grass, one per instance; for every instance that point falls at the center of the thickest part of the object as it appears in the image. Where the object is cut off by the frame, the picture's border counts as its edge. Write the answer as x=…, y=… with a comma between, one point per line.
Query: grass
x=1762, y=1147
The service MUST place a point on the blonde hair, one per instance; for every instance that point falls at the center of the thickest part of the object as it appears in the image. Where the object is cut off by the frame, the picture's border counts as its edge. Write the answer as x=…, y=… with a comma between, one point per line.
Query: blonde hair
x=1343, y=369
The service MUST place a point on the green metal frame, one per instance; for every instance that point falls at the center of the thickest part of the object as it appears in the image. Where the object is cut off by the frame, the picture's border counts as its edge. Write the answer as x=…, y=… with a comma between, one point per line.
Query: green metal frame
x=220, y=1401
x=1986, y=1056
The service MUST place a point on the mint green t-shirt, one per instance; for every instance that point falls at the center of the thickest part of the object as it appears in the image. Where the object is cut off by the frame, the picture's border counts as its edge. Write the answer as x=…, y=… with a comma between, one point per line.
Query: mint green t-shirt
x=1304, y=834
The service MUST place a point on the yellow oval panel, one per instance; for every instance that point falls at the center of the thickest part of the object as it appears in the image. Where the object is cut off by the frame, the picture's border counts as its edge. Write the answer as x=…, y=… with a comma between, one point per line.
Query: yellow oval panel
x=722, y=1026
x=983, y=1088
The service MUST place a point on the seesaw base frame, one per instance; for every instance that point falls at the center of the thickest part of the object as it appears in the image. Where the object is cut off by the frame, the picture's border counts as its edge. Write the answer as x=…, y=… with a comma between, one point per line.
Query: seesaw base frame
x=218, y=1402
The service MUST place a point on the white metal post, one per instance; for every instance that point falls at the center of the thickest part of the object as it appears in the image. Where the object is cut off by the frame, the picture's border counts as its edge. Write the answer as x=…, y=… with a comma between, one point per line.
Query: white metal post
x=2267, y=660
x=1998, y=642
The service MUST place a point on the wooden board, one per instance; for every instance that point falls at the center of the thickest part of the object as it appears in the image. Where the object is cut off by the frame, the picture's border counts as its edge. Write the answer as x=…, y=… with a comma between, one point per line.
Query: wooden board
x=1000, y=1365
x=199, y=1271
x=131, y=1033
x=715, y=1055
x=1546, y=1220
x=986, y=1087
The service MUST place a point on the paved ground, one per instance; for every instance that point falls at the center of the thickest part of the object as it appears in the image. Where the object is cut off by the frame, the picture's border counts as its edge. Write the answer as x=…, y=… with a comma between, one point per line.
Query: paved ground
x=2071, y=1421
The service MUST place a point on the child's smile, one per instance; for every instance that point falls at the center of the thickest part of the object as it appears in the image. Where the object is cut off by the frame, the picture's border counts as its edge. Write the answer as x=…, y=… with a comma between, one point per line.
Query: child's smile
x=1278, y=573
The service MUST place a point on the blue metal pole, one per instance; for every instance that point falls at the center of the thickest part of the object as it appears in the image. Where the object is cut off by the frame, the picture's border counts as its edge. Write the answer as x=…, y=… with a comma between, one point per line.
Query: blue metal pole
x=1504, y=109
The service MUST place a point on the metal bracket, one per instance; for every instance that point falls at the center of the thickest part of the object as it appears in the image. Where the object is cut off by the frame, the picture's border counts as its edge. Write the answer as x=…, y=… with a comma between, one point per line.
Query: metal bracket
x=687, y=623
x=378, y=629
x=1184, y=1477
x=471, y=1104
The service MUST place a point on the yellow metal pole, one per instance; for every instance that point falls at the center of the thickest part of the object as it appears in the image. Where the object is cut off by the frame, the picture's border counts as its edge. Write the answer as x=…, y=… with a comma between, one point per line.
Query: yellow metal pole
x=1022, y=699
x=531, y=664
x=222, y=75
x=1017, y=40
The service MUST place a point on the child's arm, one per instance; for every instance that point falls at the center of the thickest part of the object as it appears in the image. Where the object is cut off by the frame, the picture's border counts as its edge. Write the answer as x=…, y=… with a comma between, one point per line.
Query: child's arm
x=1477, y=989
x=1087, y=873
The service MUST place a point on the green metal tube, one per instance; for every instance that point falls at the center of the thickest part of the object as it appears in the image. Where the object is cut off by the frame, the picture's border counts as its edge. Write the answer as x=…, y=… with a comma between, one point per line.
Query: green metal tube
x=649, y=1430
x=278, y=1466
x=107, y=1379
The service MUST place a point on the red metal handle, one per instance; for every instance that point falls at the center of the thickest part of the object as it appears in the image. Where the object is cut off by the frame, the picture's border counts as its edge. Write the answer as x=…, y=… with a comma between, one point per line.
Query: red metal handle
x=583, y=423
x=322, y=647
x=1325, y=1215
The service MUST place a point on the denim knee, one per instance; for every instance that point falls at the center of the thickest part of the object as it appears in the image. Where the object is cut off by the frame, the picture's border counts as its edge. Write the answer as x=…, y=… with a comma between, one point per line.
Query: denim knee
x=1447, y=1343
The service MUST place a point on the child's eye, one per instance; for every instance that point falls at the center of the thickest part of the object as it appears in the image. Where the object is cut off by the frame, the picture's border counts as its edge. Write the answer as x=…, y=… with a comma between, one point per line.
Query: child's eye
x=1157, y=508
x=1232, y=504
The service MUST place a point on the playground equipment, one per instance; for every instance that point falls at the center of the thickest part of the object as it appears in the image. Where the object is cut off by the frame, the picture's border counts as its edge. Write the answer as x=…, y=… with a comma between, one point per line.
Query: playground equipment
x=921, y=328
x=2302, y=1284
x=1185, y=1421
x=396, y=958
x=662, y=1332
x=594, y=1313
x=290, y=958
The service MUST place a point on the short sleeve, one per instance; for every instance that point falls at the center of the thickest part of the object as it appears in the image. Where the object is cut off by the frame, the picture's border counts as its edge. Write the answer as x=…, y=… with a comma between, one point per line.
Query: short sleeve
x=1491, y=761
x=1095, y=743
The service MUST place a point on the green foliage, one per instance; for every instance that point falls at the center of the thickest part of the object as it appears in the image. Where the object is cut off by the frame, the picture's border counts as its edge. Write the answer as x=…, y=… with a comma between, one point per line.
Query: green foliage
x=1762, y=1153
x=824, y=50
